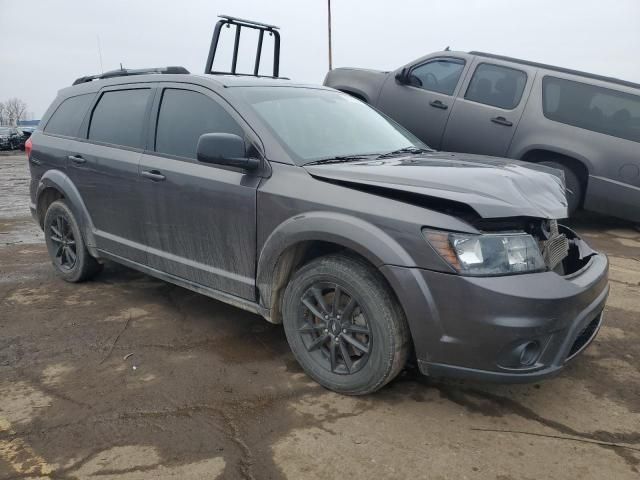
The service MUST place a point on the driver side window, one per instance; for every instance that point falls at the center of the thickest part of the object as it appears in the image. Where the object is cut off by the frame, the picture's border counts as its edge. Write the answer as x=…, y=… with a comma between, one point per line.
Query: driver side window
x=440, y=75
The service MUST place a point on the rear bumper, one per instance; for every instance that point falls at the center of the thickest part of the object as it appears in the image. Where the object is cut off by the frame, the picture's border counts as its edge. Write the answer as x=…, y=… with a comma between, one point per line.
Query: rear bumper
x=477, y=327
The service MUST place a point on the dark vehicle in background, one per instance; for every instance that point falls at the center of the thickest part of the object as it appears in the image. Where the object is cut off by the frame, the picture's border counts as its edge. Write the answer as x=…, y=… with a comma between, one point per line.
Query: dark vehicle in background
x=308, y=207
x=10, y=138
x=25, y=133
x=586, y=125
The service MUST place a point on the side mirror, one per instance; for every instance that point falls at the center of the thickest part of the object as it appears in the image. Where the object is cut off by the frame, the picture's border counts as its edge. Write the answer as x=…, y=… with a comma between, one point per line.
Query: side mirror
x=402, y=77
x=225, y=149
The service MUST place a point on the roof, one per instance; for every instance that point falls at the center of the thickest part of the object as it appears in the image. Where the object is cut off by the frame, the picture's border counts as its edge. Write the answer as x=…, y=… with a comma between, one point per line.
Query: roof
x=593, y=76
x=253, y=81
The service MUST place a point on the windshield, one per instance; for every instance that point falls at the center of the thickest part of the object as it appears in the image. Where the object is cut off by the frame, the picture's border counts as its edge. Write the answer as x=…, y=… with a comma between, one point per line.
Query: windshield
x=316, y=124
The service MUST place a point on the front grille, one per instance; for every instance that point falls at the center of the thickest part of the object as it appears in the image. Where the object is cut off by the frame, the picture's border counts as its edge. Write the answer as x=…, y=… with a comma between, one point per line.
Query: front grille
x=585, y=336
x=556, y=248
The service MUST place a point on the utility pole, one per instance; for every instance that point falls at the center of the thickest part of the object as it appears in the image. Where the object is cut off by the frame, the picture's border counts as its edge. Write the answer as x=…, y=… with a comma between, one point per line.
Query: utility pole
x=329, y=25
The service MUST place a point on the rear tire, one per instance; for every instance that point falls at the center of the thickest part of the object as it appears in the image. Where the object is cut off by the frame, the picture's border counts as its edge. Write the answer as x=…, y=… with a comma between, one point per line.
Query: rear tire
x=574, y=188
x=355, y=343
x=67, y=250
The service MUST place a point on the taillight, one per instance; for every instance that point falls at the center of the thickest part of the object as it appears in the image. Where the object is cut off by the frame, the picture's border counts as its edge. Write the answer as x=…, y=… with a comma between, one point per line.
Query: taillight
x=28, y=146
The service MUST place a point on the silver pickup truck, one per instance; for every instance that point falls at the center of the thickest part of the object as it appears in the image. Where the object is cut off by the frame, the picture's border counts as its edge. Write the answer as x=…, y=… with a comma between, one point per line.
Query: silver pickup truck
x=586, y=125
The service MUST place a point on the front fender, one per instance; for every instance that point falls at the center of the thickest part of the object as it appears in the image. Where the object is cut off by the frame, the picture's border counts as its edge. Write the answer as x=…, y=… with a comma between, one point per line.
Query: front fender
x=62, y=183
x=347, y=231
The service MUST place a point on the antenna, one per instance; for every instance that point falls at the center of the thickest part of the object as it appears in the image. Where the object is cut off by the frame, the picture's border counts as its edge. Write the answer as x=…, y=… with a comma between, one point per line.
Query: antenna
x=100, y=54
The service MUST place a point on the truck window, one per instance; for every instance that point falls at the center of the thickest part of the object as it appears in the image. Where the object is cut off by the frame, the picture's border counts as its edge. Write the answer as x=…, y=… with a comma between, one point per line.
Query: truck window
x=439, y=75
x=497, y=86
x=68, y=116
x=119, y=117
x=593, y=108
x=184, y=116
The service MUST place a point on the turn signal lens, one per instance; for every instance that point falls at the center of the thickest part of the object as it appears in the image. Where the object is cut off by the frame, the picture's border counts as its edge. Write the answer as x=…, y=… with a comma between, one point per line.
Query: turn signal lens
x=28, y=146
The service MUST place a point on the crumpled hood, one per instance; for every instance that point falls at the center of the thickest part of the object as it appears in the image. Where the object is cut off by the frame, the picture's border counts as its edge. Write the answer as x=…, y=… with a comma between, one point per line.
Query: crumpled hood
x=493, y=187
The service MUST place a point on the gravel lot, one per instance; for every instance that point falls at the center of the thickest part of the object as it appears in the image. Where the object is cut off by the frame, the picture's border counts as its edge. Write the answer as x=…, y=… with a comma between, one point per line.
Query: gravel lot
x=129, y=377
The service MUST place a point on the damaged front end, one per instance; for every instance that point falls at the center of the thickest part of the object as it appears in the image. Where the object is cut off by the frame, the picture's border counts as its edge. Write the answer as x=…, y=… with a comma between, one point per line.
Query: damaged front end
x=512, y=246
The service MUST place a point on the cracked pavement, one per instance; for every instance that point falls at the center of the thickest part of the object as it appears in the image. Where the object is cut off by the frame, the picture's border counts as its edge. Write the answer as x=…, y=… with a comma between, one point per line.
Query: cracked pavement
x=129, y=377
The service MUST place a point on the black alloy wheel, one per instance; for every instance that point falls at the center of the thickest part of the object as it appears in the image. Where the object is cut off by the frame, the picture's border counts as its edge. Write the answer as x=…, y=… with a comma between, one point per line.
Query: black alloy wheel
x=334, y=328
x=62, y=236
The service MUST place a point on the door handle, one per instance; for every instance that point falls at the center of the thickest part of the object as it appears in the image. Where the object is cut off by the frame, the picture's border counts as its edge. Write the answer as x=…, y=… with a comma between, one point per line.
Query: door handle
x=154, y=175
x=77, y=159
x=35, y=161
x=438, y=104
x=502, y=121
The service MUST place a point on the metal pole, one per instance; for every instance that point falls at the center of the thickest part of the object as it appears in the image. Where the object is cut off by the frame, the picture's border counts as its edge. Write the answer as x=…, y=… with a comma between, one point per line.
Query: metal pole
x=329, y=25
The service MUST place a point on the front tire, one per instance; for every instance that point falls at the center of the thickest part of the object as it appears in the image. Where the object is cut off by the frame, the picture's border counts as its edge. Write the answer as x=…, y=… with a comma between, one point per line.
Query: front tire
x=67, y=250
x=344, y=325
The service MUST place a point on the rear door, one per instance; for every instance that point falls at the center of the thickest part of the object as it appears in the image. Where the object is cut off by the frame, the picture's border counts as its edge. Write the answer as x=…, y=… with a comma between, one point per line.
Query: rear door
x=104, y=168
x=489, y=106
x=423, y=106
x=200, y=218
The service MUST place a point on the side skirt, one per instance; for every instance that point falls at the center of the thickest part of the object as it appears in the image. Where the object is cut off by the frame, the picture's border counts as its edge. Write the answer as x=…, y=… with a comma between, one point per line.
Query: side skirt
x=239, y=302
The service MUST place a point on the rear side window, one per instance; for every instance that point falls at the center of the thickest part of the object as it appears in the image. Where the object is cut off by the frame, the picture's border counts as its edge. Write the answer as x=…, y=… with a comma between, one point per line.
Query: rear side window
x=593, y=108
x=497, y=86
x=119, y=118
x=67, y=118
x=184, y=116
x=439, y=75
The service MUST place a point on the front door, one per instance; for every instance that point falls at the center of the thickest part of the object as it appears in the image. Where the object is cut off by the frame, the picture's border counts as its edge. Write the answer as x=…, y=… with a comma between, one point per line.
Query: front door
x=423, y=103
x=201, y=218
x=488, y=109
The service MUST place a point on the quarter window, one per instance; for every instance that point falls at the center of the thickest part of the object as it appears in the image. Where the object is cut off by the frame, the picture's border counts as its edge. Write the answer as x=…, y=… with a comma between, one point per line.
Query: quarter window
x=184, y=116
x=497, y=86
x=119, y=118
x=593, y=108
x=439, y=75
x=68, y=117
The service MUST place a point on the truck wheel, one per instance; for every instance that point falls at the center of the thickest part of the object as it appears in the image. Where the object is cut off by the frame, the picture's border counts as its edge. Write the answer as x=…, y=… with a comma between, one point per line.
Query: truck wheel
x=344, y=325
x=69, y=255
x=573, y=185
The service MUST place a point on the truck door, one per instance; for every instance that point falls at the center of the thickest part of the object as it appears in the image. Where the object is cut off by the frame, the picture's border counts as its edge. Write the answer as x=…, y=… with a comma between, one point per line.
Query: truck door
x=422, y=99
x=488, y=108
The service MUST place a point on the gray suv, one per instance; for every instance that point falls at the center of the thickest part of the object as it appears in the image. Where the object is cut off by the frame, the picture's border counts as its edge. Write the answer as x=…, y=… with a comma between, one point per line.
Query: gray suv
x=310, y=208
x=586, y=125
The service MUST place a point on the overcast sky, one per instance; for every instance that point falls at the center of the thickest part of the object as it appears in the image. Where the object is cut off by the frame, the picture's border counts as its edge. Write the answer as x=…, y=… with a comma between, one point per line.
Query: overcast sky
x=46, y=44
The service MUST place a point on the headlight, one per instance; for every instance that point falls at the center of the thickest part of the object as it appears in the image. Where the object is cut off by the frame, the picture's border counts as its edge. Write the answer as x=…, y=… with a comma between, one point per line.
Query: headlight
x=488, y=254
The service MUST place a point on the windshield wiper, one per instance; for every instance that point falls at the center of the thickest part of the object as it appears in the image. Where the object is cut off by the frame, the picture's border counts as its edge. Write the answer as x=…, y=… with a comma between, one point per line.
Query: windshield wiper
x=340, y=159
x=412, y=150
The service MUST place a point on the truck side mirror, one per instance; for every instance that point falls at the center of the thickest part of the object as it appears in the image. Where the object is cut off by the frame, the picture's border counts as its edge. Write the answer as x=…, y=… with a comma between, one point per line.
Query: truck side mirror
x=402, y=76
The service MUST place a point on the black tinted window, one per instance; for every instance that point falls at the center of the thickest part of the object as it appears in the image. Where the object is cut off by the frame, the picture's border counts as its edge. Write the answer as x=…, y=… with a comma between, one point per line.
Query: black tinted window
x=68, y=116
x=184, y=116
x=119, y=118
x=496, y=86
x=438, y=75
x=593, y=108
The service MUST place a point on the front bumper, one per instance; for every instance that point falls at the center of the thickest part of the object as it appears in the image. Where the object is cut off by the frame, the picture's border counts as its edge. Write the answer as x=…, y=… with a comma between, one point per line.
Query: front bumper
x=470, y=326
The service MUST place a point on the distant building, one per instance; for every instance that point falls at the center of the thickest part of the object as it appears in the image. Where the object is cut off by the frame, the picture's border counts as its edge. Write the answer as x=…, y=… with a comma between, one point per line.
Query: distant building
x=28, y=123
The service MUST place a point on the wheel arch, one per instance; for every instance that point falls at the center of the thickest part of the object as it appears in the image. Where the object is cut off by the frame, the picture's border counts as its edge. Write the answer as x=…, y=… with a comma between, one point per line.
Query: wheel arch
x=356, y=94
x=55, y=185
x=302, y=238
x=578, y=165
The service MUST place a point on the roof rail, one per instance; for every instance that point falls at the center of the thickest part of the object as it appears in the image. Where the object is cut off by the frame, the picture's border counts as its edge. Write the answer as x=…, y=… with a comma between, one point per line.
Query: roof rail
x=240, y=23
x=123, y=72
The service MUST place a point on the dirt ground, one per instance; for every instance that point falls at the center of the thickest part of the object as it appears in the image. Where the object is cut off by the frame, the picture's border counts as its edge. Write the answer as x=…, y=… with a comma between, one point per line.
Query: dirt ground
x=130, y=377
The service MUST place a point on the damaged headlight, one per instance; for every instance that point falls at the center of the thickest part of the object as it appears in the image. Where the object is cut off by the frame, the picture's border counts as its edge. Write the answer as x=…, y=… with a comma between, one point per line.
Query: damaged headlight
x=488, y=254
